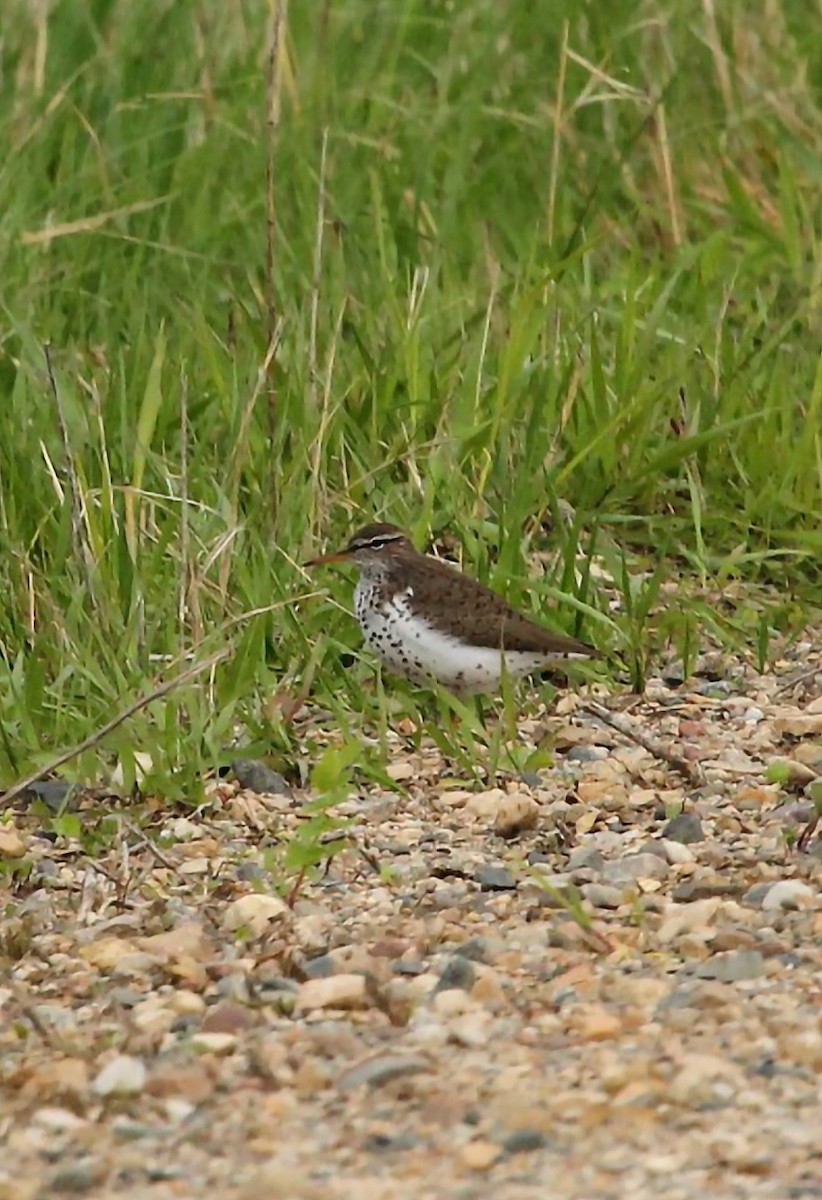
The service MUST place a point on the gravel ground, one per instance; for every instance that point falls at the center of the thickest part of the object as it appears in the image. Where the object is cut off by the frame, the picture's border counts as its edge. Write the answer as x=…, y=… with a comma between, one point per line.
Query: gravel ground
x=547, y=988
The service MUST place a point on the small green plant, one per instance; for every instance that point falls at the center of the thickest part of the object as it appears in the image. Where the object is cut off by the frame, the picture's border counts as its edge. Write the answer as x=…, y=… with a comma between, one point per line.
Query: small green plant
x=321, y=834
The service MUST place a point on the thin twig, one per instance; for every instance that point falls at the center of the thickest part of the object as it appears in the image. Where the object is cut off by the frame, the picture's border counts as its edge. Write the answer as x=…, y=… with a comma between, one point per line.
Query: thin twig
x=691, y=771
x=805, y=837
x=795, y=679
x=95, y=738
x=144, y=840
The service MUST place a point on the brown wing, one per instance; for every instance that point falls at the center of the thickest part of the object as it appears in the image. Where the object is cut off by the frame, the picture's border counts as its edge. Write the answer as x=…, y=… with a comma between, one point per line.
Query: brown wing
x=461, y=606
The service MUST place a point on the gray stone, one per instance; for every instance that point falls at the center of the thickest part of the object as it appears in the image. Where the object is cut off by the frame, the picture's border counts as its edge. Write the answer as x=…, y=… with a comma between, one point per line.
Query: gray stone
x=633, y=867
x=798, y=813
x=652, y=846
x=685, y=827
x=123, y=1075
x=585, y=754
x=74, y=1180
x=381, y=1069
x=531, y=779
x=480, y=949
x=251, y=872
x=322, y=966
x=55, y=794
x=405, y=966
x=756, y=894
x=733, y=966
x=278, y=985
x=602, y=896
x=523, y=1141
x=494, y=879
x=257, y=776
x=787, y=894
x=586, y=856
x=389, y=1143
x=700, y=887
x=457, y=973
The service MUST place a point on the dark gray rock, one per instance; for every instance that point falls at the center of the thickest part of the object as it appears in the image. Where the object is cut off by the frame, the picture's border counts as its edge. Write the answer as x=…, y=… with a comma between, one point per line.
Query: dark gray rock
x=523, y=1141
x=633, y=867
x=685, y=827
x=585, y=754
x=479, y=949
x=405, y=966
x=732, y=966
x=390, y=1143
x=756, y=894
x=257, y=776
x=531, y=779
x=458, y=973
x=494, y=879
x=602, y=896
x=55, y=794
x=586, y=856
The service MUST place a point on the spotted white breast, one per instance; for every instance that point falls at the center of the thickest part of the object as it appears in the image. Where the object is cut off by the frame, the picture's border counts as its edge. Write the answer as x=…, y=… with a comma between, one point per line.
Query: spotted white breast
x=409, y=645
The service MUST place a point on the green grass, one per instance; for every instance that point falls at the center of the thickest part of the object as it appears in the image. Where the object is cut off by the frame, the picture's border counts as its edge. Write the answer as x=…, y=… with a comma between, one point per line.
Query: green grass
x=521, y=254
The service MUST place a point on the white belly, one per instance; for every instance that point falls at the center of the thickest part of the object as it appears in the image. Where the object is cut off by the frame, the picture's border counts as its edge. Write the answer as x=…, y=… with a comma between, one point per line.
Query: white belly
x=412, y=647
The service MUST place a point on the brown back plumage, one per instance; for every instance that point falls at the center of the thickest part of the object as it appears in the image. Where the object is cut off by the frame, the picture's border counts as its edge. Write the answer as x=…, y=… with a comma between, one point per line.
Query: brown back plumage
x=454, y=603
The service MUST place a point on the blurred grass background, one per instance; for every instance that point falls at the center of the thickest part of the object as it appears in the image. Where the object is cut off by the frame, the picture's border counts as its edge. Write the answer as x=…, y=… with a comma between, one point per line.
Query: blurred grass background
x=447, y=264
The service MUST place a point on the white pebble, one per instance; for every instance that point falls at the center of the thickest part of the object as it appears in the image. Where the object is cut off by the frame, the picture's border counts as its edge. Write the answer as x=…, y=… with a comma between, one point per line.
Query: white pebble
x=787, y=893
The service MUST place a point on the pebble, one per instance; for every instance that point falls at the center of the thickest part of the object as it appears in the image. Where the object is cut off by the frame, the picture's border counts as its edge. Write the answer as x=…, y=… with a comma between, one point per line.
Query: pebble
x=703, y=886
x=469, y=1030
x=54, y=793
x=76, y=1179
x=381, y=1069
x=685, y=827
x=257, y=776
x=634, y=867
x=457, y=973
x=124, y=1075
x=484, y=805
x=582, y=857
x=704, y=1079
x=788, y=894
x=789, y=772
x=494, y=879
x=214, y=1043
x=733, y=966
x=279, y=1181
x=480, y=1156
x=57, y=1120
x=586, y=754
x=797, y=813
x=517, y=813
x=675, y=853
x=602, y=896
x=338, y=991
x=254, y=912
x=228, y=1017
x=12, y=844
x=523, y=1141
x=481, y=949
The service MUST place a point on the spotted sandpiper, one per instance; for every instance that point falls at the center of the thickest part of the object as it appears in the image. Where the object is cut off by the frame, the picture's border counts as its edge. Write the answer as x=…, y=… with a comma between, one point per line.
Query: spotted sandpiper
x=428, y=621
